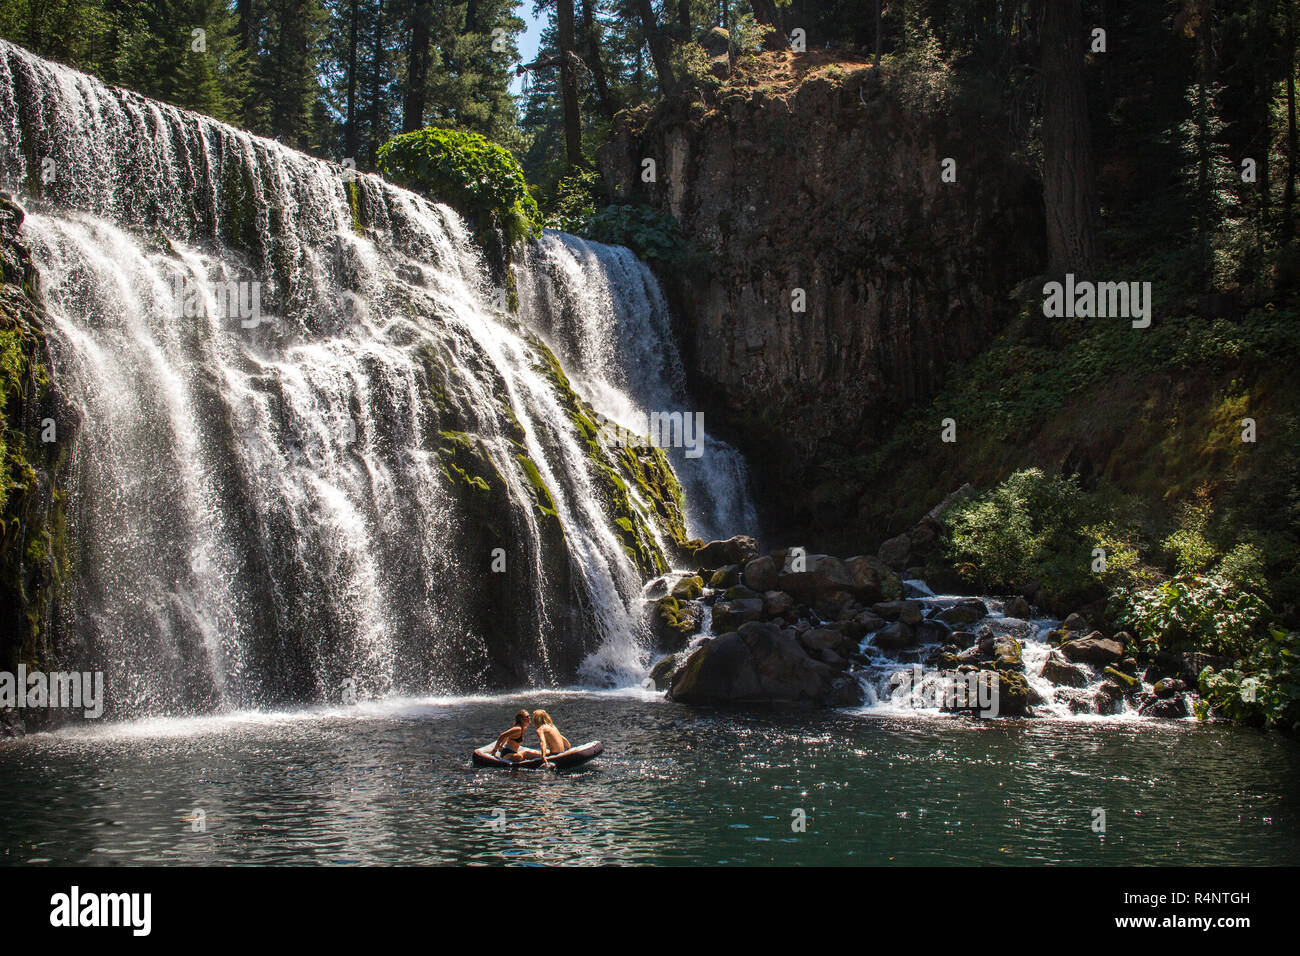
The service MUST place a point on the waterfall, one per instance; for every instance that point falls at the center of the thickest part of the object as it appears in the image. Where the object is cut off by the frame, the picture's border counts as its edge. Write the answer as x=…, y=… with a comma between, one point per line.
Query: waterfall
x=311, y=459
x=603, y=313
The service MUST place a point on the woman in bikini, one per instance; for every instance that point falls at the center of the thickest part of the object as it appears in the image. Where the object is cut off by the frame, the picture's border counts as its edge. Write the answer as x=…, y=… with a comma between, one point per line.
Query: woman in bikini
x=553, y=742
x=509, y=743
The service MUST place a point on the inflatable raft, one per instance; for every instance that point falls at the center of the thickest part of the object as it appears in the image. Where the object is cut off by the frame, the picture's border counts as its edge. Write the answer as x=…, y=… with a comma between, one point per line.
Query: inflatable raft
x=569, y=758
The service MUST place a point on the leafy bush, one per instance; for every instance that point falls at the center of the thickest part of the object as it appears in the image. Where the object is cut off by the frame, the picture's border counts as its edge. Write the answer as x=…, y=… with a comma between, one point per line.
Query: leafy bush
x=1036, y=528
x=476, y=177
x=1264, y=691
x=1196, y=612
x=652, y=236
x=574, y=202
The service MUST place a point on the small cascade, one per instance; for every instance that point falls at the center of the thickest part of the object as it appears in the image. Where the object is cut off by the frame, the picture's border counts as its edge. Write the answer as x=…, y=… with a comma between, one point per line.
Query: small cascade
x=911, y=680
x=602, y=311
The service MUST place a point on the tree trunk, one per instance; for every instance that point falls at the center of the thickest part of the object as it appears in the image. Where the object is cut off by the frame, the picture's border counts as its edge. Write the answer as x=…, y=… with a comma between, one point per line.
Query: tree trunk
x=1069, y=178
x=879, y=4
x=376, y=104
x=569, y=85
x=591, y=42
x=417, y=67
x=350, y=121
x=658, y=48
x=1292, y=144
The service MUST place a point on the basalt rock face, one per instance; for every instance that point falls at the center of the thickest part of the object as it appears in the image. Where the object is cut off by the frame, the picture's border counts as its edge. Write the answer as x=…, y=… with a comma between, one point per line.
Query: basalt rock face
x=831, y=186
x=37, y=428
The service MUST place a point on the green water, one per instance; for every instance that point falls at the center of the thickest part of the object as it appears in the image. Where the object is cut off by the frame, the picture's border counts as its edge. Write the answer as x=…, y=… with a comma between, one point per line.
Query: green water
x=392, y=783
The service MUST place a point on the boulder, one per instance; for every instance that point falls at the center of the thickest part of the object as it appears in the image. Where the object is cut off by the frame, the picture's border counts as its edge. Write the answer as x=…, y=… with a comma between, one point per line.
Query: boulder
x=1109, y=698
x=1018, y=607
x=1169, y=708
x=1094, y=649
x=778, y=604
x=725, y=577
x=961, y=639
x=761, y=573
x=688, y=588
x=966, y=611
x=730, y=615
x=870, y=577
x=673, y=622
x=1013, y=626
x=739, y=592
x=896, y=551
x=1076, y=622
x=830, y=604
x=1006, y=654
x=1167, y=687
x=757, y=664
x=932, y=632
x=1060, y=671
x=661, y=675
x=1012, y=693
x=719, y=554
x=812, y=576
x=909, y=612
x=894, y=636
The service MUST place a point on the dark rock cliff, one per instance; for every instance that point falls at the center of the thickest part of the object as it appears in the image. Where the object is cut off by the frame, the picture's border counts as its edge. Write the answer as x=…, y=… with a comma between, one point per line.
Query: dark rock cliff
x=38, y=427
x=822, y=180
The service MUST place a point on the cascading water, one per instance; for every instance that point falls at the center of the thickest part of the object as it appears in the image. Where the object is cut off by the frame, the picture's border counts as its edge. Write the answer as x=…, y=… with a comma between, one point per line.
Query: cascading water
x=603, y=313
x=311, y=458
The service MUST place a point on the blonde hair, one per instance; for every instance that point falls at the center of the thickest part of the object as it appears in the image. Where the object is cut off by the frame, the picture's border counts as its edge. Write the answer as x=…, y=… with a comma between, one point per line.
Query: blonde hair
x=542, y=717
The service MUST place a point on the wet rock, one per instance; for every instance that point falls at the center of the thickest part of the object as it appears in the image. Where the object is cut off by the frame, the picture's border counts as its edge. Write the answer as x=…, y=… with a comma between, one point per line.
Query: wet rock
x=761, y=573
x=1012, y=693
x=1076, y=622
x=812, y=577
x=961, y=639
x=1167, y=687
x=870, y=577
x=758, y=663
x=966, y=611
x=1108, y=699
x=688, y=588
x=909, y=612
x=726, y=577
x=1060, y=671
x=1020, y=630
x=718, y=554
x=1169, y=708
x=778, y=604
x=661, y=675
x=741, y=593
x=1007, y=655
x=1094, y=649
x=673, y=622
x=1018, y=607
x=894, y=636
x=933, y=632
x=896, y=551
x=730, y=615
x=831, y=603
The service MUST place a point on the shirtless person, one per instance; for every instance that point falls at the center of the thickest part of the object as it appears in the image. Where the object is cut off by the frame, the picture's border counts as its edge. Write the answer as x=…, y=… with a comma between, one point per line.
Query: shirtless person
x=553, y=742
x=510, y=741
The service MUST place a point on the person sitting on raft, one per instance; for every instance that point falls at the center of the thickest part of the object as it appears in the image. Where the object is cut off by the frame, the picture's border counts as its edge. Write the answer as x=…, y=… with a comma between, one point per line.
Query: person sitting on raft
x=508, y=743
x=553, y=742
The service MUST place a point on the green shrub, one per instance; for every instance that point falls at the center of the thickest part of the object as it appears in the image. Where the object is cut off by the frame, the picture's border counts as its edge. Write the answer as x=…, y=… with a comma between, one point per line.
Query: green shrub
x=574, y=202
x=1196, y=612
x=1264, y=691
x=651, y=235
x=1036, y=528
x=476, y=177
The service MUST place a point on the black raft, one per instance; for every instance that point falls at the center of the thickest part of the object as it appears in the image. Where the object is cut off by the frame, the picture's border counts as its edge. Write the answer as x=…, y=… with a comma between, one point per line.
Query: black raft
x=569, y=758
